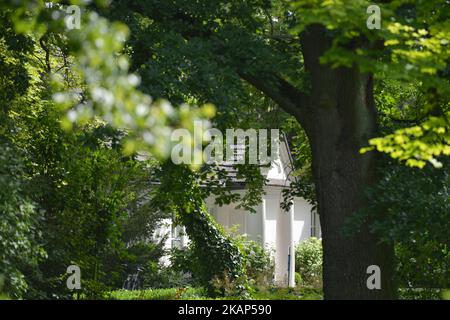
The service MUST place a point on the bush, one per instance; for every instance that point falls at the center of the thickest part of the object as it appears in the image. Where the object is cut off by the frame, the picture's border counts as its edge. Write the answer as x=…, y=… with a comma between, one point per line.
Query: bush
x=416, y=219
x=167, y=277
x=214, y=252
x=142, y=259
x=308, y=262
x=420, y=294
x=259, y=265
x=183, y=263
x=259, y=269
x=298, y=279
x=228, y=286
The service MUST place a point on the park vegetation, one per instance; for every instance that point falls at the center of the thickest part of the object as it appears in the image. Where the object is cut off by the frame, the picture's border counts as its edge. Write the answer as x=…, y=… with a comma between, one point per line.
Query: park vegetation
x=86, y=115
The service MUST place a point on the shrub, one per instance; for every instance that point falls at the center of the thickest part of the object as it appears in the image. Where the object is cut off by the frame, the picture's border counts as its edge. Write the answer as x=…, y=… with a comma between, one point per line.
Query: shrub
x=298, y=279
x=142, y=259
x=167, y=277
x=416, y=219
x=214, y=252
x=420, y=294
x=259, y=265
x=258, y=268
x=422, y=271
x=308, y=262
x=185, y=262
x=184, y=267
x=227, y=286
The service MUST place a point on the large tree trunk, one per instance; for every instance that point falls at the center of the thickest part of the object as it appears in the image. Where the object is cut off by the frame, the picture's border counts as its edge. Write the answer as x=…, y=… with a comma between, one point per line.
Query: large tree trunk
x=340, y=121
x=342, y=175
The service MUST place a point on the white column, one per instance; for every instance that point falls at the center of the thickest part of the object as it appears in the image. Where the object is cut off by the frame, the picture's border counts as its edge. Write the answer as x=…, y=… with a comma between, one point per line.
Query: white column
x=291, y=248
x=263, y=222
x=285, y=250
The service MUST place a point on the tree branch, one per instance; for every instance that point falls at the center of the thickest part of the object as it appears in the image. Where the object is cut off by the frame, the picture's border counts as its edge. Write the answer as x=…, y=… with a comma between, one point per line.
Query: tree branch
x=289, y=98
x=47, y=55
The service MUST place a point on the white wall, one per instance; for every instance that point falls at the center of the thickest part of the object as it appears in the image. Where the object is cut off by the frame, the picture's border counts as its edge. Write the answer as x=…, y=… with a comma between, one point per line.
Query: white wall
x=302, y=220
x=254, y=225
x=272, y=207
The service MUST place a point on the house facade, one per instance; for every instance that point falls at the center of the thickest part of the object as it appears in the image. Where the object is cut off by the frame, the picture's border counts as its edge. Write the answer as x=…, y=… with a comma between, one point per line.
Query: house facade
x=278, y=230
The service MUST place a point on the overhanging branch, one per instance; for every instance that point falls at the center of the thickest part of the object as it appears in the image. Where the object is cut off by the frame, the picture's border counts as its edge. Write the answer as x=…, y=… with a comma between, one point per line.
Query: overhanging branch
x=289, y=98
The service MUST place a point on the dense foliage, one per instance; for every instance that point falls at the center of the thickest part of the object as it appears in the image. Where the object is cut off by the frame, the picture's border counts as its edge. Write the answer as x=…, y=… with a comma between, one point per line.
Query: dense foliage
x=258, y=268
x=416, y=218
x=84, y=175
x=68, y=197
x=20, y=246
x=214, y=253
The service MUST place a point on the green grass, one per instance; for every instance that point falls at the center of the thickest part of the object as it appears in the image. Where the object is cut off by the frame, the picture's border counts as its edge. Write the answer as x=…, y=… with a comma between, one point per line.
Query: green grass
x=288, y=294
x=199, y=294
x=157, y=294
x=270, y=293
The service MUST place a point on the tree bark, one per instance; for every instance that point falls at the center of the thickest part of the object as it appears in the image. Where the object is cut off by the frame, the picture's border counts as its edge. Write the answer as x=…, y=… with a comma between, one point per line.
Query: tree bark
x=341, y=119
x=341, y=176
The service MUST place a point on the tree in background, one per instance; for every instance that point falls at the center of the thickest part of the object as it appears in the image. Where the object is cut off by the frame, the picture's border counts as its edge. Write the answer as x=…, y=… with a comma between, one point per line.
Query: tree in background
x=78, y=176
x=68, y=196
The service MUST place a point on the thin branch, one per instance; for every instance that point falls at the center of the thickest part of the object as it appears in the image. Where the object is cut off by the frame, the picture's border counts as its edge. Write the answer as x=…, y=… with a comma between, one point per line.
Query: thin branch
x=44, y=47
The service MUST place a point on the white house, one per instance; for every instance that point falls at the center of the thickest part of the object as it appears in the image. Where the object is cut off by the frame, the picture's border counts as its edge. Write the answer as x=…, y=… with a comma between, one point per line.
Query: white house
x=277, y=229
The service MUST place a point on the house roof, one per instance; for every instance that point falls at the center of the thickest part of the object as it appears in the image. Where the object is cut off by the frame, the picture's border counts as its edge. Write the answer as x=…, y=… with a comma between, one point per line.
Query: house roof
x=277, y=174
